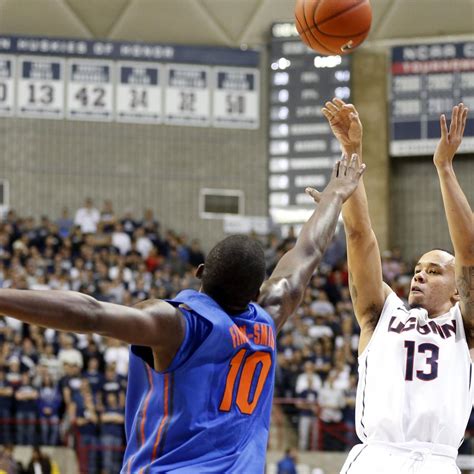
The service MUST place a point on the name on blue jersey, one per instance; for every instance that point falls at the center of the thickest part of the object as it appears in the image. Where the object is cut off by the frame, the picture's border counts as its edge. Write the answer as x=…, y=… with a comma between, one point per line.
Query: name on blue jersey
x=261, y=334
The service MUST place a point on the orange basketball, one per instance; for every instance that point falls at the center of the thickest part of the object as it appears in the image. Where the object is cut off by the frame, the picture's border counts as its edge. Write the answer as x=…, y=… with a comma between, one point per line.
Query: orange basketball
x=333, y=26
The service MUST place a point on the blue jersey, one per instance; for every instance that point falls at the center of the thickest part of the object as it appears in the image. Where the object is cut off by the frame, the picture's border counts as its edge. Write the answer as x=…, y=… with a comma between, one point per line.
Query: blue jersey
x=210, y=414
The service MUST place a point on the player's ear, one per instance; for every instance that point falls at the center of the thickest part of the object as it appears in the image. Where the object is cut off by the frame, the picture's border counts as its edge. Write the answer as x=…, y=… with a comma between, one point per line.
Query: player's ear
x=199, y=271
x=455, y=297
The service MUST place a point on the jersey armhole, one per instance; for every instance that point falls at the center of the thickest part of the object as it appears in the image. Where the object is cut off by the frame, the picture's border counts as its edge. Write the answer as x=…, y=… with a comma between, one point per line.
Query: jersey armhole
x=197, y=330
x=389, y=301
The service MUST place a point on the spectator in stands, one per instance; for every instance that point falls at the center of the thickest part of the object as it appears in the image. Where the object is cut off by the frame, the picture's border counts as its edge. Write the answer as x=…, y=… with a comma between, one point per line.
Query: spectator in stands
x=94, y=377
x=8, y=465
x=331, y=401
x=64, y=223
x=117, y=354
x=196, y=255
x=322, y=364
x=142, y=243
x=87, y=217
x=39, y=463
x=288, y=464
x=67, y=353
x=14, y=374
x=308, y=385
x=121, y=240
x=26, y=400
x=112, y=384
x=129, y=223
x=49, y=403
x=6, y=409
x=111, y=434
x=349, y=413
x=107, y=217
x=84, y=416
x=49, y=360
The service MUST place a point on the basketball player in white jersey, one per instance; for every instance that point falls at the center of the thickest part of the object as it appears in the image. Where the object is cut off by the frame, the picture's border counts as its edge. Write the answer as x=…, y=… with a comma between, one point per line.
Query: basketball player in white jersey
x=415, y=377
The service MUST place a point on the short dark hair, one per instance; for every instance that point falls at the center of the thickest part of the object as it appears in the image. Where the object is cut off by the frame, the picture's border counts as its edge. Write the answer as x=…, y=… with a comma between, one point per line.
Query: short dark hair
x=234, y=270
x=444, y=250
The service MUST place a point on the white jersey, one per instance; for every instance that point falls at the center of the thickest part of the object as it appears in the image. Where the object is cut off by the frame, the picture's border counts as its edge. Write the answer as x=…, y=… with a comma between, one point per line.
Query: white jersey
x=415, y=380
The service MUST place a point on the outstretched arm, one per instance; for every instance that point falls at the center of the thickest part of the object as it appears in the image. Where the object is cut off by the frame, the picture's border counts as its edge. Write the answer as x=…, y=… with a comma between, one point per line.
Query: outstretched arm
x=458, y=213
x=368, y=291
x=153, y=323
x=283, y=292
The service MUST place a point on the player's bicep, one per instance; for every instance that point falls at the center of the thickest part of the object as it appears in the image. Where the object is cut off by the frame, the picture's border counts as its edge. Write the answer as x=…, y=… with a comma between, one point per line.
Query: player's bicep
x=465, y=287
x=368, y=291
x=153, y=323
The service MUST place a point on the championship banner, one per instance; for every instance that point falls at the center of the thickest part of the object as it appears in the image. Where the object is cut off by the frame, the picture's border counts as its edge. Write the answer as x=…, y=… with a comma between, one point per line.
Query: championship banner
x=427, y=81
x=40, y=90
x=235, y=99
x=7, y=80
x=129, y=81
x=138, y=93
x=187, y=99
x=90, y=90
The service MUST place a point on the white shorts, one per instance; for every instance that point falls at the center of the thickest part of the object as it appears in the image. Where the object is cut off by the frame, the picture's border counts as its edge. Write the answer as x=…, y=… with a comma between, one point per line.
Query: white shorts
x=386, y=459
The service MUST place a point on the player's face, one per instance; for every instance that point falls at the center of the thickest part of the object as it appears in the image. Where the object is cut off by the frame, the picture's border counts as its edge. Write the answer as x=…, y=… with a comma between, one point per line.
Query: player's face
x=433, y=285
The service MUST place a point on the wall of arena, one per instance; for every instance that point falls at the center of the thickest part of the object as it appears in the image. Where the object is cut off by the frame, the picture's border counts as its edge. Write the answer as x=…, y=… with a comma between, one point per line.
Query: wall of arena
x=51, y=164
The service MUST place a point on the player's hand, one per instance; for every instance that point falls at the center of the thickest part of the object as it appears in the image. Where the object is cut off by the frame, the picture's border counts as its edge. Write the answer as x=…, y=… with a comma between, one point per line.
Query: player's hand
x=345, y=124
x=450, y=140
x=344, y=179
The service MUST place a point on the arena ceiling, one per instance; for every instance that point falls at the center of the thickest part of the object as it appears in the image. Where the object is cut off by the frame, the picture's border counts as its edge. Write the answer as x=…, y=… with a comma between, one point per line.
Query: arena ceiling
x=216, y=22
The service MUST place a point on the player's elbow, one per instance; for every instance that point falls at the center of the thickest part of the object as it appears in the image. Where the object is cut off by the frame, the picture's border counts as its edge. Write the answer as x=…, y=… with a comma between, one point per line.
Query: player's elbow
x=93, y=311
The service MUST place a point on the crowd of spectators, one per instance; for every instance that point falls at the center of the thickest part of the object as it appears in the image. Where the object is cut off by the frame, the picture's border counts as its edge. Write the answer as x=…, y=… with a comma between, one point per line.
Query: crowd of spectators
x=53, y=384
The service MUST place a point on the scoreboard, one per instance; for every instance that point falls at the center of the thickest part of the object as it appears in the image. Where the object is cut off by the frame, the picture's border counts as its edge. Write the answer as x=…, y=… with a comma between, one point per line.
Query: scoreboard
x=58, y=78
x=427, y=80
x=302, y=149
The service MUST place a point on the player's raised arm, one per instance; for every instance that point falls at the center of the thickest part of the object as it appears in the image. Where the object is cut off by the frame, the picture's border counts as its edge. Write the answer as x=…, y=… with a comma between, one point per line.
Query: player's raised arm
x=458, y=213
x=367, y=288
x=153, y=323
x=283, y=292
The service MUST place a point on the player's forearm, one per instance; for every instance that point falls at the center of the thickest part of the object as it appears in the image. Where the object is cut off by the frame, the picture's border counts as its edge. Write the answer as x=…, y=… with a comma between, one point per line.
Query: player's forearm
x=61, y=310
x=302, y=260
x=458, y=212
x=319, y=230
x=355, y=213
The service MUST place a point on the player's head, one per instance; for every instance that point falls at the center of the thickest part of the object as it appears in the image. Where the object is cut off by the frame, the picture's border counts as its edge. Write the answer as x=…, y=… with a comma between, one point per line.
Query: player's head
x=433, y=286
x=233, y=272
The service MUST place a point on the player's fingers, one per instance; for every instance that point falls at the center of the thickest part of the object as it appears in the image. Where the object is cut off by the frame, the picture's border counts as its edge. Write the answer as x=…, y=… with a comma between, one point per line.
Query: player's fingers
x=344, y=166
x=461, y=108
x=354, y=116
x=331, y=107
x=454, y=121
x=351, y=108
x=314, y=193
x=464, y=120
x=338, y=102
x=361, y=170
x=354, y=161
x=327, y=113
x=443, y=126
x=335, y=169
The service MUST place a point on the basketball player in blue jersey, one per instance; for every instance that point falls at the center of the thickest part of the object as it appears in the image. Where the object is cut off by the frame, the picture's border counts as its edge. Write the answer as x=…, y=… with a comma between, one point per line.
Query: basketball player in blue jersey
x=202, y=366
x=415, y=374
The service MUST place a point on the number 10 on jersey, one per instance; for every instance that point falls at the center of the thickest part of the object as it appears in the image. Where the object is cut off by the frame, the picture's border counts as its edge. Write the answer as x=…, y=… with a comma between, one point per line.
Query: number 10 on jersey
x=249, y=362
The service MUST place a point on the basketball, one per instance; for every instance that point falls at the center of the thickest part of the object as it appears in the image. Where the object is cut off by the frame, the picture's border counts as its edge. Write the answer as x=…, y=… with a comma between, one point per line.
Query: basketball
x=333, y=27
